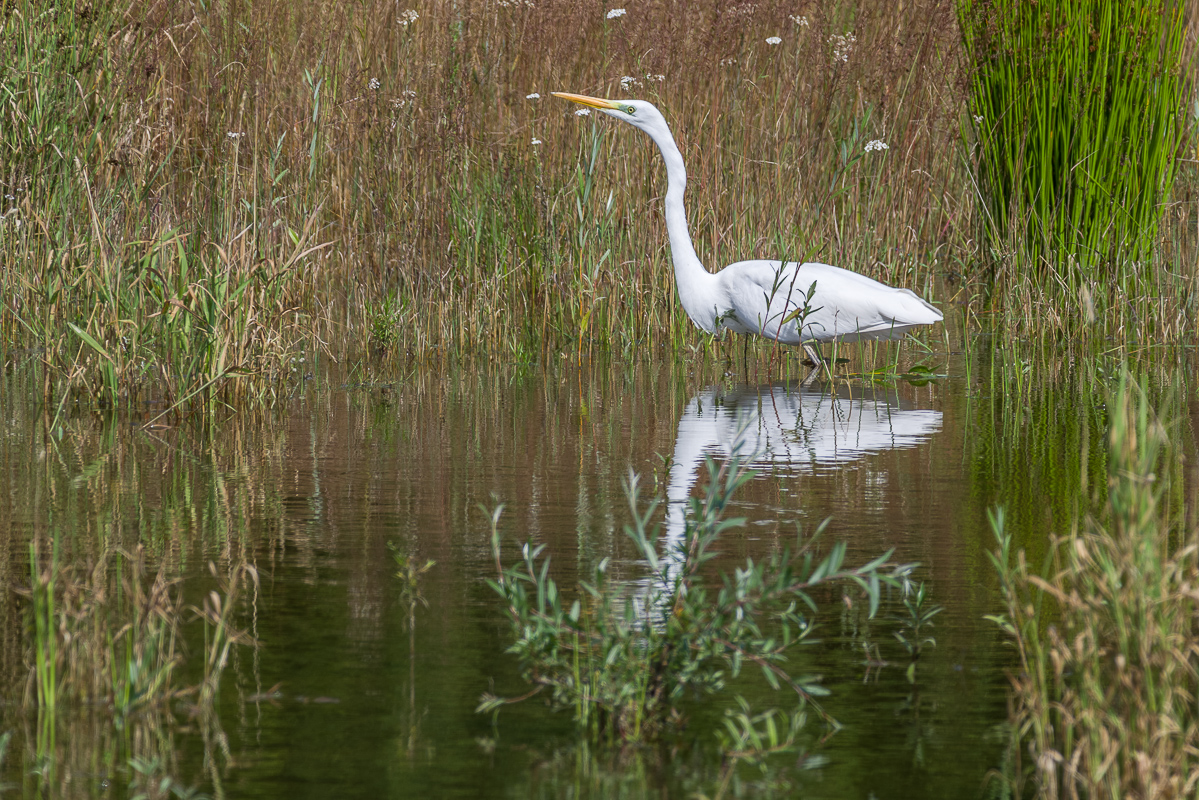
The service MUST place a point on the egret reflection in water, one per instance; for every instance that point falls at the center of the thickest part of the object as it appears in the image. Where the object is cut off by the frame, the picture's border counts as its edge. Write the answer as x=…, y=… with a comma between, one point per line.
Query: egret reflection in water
x=778, y=428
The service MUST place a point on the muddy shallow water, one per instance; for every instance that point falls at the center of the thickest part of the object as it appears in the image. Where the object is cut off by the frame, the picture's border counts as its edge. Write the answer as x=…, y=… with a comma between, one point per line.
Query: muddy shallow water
x=341, y=696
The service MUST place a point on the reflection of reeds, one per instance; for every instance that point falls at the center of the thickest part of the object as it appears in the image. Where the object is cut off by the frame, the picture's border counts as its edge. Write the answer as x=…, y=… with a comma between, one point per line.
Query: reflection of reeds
x=219, y=633
x=1106, y=692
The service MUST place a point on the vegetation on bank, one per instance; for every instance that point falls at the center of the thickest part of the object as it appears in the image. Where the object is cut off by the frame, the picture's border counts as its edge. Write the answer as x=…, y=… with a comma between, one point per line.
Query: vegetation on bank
x=194, y=197
x=1104, y=627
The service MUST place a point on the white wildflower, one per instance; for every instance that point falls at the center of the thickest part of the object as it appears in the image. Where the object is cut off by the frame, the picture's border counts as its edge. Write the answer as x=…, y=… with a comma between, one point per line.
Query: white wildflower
x=876, y=144
x=727, y=62
x=616, y=12
x=374, y=83
x=773, y=40
x=234, y=135
x=407, y=18
x=627, y=82
x=536, y=141
x=798, y=20
x=533, y=96
x=978, y=119
x=658, y=78
x=582, y=112
x=842, y=46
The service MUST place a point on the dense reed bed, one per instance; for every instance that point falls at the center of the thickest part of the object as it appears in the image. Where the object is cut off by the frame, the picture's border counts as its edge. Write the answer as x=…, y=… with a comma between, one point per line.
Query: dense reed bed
x=1076, y=108
x=197, y=196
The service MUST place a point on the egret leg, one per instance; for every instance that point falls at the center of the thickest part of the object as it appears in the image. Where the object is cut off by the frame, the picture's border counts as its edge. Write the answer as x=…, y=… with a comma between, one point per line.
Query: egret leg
x=818, y=364
x=745, y=358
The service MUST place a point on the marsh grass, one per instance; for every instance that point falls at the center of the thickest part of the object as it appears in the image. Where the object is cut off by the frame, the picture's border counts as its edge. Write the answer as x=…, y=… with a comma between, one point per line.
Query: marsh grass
x=1109, y=659
x=105, y=634
x=105, y=661
x=193, y=194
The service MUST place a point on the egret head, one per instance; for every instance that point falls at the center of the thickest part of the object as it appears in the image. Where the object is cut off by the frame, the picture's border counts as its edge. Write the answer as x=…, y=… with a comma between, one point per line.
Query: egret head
x=637, y=113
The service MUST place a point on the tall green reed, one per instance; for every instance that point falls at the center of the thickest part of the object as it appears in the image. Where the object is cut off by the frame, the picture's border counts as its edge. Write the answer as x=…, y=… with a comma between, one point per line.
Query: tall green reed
x=1077, y=109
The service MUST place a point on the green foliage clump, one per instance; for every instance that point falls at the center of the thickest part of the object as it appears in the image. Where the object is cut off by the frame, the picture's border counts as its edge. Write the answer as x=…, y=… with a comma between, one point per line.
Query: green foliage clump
x=624, y=656
x=1077, y=108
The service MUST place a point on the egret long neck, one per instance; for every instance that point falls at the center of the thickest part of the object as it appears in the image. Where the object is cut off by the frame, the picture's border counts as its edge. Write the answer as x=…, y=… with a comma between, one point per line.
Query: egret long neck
x=694, y=282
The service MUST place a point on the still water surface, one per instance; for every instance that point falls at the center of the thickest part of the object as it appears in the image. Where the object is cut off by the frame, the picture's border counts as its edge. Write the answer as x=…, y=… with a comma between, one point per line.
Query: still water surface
x=341, y=697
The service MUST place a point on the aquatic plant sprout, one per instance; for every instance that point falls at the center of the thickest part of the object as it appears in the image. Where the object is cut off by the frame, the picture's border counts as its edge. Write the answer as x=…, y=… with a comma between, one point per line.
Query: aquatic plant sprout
x=689, y=636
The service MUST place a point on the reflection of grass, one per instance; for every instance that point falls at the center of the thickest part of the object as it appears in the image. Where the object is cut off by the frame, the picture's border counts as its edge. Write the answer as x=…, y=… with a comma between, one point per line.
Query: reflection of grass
x=916, y=375
x=622, y=660
x=1108, y=648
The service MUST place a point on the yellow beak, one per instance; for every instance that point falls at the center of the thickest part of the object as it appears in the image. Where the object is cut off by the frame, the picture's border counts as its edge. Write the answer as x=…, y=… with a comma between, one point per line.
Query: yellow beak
x=582, y=99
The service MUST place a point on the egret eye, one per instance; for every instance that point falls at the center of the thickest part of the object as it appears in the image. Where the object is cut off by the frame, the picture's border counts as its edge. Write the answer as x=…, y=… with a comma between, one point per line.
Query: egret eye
x=630, y=110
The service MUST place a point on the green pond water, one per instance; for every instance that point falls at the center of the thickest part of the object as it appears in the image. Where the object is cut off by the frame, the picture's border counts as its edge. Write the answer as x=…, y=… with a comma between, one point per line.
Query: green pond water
x=340, y=696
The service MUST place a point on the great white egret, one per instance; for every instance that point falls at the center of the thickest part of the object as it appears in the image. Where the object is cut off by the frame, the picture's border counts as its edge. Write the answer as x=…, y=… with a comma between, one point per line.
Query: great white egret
x=787, y=301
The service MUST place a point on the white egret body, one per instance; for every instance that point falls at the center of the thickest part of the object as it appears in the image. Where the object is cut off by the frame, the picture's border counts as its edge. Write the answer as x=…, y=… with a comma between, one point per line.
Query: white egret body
x=767, y=298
